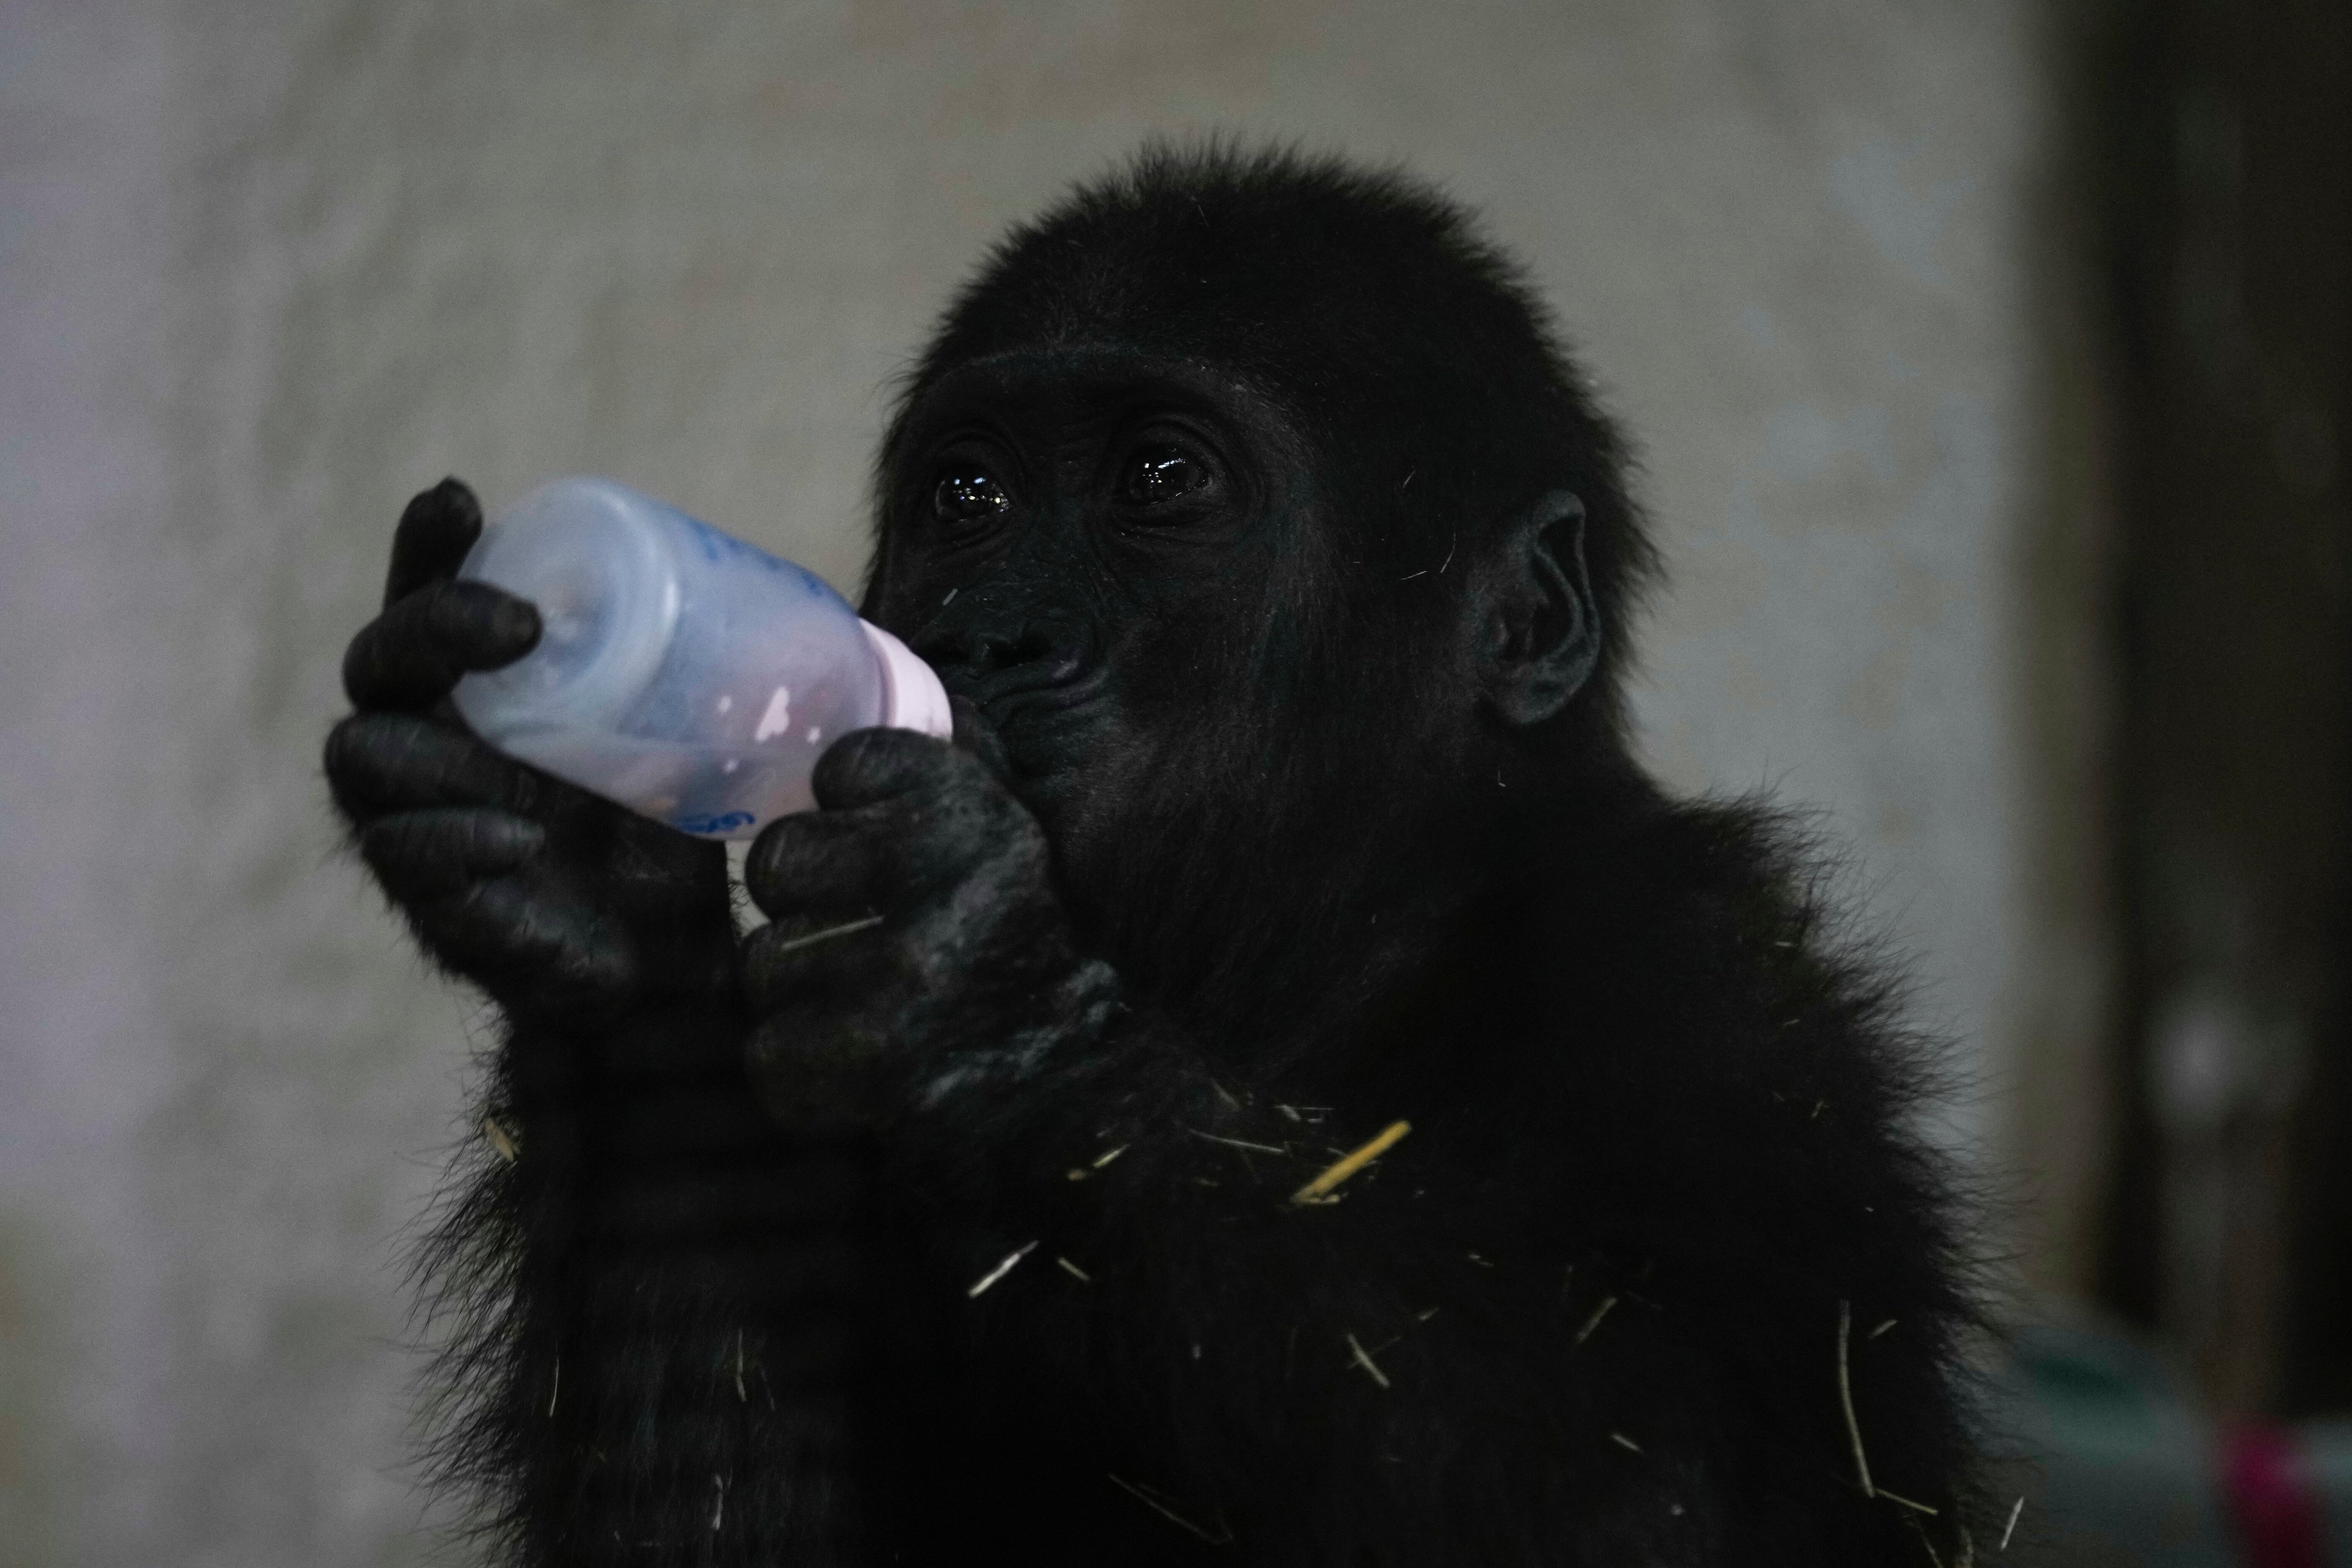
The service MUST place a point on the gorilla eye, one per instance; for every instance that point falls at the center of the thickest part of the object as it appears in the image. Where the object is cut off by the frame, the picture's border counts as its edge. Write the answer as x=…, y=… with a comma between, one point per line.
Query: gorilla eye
x=968, y=498
x=1158, y=474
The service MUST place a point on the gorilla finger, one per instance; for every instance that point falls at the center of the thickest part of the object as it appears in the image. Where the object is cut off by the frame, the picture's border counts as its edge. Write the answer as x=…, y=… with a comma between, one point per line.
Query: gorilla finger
x=512, y=936
x=431, y=854
x=868, y=766
x=378, y=762
x=436, y=528
x=410, y=655
x=894, y=856
x=823, y=863
x=954, y=809
x=975, y=734
x=848, y=959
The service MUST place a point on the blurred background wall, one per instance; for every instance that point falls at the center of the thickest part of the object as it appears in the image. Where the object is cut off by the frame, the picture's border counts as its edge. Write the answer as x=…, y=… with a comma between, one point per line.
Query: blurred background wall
x=271, y=266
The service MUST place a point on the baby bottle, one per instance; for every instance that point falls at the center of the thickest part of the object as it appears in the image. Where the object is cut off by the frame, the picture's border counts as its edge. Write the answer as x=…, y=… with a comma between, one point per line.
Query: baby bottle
x=681, y=672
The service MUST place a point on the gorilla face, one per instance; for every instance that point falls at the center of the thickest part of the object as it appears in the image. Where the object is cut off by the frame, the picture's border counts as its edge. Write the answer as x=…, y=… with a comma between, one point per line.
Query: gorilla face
x=1121, y=563
x=1090, y=547
x=1132, y=566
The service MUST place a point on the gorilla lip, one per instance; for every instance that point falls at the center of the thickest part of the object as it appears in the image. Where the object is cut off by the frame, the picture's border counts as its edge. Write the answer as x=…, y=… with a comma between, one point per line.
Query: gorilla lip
x=1028, y=693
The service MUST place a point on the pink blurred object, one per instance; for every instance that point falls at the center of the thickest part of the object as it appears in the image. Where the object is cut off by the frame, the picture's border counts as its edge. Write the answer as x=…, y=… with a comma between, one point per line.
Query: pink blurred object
x=2269, y=1484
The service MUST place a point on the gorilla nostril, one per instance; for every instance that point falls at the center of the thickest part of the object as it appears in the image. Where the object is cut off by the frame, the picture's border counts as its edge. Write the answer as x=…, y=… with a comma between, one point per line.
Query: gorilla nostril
x=984, y=649
x=1032, y=645
x=941, y=648
x=969, y=648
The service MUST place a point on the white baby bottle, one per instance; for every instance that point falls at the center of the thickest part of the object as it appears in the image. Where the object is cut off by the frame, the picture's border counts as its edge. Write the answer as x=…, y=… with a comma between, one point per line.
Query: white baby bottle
x=681, y=672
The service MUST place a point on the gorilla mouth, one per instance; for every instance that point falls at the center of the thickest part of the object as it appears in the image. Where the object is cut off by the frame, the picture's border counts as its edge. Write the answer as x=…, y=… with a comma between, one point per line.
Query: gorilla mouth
x=1037, y=682
x=1036, y=696
x=1039, y=708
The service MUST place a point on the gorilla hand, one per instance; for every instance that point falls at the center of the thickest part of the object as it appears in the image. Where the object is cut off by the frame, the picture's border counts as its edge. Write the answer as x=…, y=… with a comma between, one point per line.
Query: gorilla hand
x=549, y=898
x=918, y=948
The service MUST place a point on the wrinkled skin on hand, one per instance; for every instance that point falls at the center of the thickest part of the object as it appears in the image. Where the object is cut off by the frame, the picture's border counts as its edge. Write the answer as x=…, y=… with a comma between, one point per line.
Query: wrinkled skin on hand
x=552, y=900
x=918, y=942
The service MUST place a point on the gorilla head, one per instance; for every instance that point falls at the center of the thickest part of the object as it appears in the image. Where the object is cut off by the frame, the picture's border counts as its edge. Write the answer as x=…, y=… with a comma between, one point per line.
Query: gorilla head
x=1254, y=503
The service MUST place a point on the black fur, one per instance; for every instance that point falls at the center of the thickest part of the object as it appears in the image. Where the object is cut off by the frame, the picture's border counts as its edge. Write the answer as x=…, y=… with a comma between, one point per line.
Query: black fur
x=1281, y=578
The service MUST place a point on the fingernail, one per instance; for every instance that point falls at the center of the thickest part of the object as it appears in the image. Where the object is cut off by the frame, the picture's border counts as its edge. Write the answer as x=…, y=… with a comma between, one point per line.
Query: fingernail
x=519, y=837
x=455, y=495
x=517, y=621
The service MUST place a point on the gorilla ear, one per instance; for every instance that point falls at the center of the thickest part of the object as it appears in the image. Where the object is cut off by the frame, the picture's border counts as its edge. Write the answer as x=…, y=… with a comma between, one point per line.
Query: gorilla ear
x=1539, y=635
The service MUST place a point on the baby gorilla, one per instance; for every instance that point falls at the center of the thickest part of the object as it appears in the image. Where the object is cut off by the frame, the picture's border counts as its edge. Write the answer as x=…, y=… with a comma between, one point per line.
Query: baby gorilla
x=1280, y=566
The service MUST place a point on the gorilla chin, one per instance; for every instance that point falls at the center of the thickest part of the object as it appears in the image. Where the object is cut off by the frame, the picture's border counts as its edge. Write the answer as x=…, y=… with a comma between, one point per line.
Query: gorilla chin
x=1283, y=1087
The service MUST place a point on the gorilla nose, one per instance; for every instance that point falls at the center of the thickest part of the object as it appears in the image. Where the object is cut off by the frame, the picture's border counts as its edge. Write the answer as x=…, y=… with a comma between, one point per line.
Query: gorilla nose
x=984, y=646
x=985, y=659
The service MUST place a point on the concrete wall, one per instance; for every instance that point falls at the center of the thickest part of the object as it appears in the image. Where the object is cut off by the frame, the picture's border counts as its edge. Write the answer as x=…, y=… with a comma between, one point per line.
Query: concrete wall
x=271, y=266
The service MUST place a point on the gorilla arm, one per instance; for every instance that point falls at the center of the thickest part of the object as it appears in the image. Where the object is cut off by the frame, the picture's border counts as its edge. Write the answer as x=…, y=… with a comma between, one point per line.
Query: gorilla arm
x=1157, y=1345
x=650, y=1229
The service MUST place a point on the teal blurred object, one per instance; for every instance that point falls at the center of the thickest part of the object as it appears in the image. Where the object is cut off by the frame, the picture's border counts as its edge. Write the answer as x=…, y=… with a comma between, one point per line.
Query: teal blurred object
x=2126, y=1475
x=2118, y=1472
x=2327, y=1459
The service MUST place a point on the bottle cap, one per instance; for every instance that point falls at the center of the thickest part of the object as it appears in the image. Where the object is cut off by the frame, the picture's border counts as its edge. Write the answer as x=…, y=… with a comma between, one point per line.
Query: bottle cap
x=912, y=697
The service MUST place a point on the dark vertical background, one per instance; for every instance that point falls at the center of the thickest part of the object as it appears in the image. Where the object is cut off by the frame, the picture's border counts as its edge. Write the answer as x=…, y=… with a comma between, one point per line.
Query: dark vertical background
x=2221, y=172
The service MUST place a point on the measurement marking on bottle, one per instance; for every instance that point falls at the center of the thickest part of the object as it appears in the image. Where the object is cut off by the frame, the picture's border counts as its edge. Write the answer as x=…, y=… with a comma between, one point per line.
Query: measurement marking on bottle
x=779, y=716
